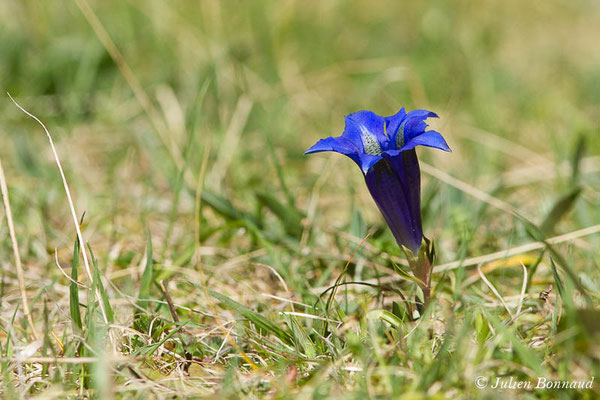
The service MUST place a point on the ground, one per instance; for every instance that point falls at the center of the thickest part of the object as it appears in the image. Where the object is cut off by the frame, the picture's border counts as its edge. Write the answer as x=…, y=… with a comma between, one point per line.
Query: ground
x=212, y=246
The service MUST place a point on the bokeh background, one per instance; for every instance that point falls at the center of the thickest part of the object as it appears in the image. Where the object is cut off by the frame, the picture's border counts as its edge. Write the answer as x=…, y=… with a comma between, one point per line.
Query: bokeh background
x=148, y=102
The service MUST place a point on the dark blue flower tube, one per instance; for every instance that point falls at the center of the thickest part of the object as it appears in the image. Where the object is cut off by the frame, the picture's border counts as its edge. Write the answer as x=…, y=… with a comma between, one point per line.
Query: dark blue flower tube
x=384, y=149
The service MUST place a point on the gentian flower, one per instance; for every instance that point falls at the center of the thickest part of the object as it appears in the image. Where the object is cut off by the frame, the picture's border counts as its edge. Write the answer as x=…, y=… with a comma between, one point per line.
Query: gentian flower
x=384, y=149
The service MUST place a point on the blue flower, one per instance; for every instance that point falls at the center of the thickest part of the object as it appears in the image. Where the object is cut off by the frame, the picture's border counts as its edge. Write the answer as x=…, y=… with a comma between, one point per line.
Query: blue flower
x=384, y=149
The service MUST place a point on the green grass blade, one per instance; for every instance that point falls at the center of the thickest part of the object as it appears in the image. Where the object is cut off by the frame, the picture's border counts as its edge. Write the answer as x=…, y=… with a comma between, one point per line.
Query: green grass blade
x=103, y=294
x=562, y=206
x=224, y=207
x=578, y=154
x=74, y=292
x=257, y=319
x=559, y=284
x=146, y=283
x=149, y=350
x=526, y=355
x=290, y=217
x=301, y=338
x=538, y=235
x=386, y=316
x=280, y=175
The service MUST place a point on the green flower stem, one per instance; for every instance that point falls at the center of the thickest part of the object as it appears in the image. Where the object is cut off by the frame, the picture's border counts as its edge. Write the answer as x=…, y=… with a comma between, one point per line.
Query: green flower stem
x=421, y=267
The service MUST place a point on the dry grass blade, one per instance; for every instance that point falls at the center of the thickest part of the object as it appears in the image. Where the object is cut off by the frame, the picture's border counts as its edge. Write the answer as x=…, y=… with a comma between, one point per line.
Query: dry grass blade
x=494, y=290
x=502, y=144
x=543, y=172
x=64, y=273
x=309, y=316
x=67, y=360
x=15, y=246
x=172, y=309
x=518, y=250
x=131, y=79
x=71, y=206
x=138, y=91
x=230, y=141
x=468, y=189
x=480, y=260
x=522, y=296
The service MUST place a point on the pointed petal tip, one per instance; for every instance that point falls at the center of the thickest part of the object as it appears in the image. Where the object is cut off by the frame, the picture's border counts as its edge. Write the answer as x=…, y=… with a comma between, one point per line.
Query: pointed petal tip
x=421, y=114
x=430, y=114
x=336, y=144
x=432, y=139
x=443, y=146
x=312, y=150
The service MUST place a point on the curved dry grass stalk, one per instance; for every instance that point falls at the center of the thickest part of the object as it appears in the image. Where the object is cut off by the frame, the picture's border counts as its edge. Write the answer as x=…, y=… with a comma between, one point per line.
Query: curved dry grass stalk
x=480, y=260
x=590, y=230
x=494, y=290
x=469, y=189
x=71, y=206
x=15, y=246
x=65, y=273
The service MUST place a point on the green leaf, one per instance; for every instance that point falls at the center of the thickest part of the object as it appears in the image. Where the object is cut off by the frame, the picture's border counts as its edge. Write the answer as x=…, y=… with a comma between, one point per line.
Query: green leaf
x=559, y=285
x=589, y=284
x=280, y=175
x=100, y=286
x=358, y=228
x=74, y=292
x=149, y=350
x=224, y=207
x=290, y=217
x=481, y=328
x=562, y=206
x=590, y=319
x=537, y=234
x=385, y=316
x=401, y=312
x=301, y=338
x=407, y=276
x=577, y=156
x=146, y=275
x=257, y=319
x=527, y=356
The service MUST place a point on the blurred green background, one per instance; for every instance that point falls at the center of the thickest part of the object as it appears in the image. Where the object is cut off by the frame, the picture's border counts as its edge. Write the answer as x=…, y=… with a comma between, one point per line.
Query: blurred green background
x=515, y=84
x=523, y=72
x=247, y=87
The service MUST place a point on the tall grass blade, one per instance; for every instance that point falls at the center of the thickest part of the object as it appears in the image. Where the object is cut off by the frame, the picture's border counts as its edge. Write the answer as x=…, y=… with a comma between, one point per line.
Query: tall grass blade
x=74, y=292
x=280, y=175
x=101, y=289
x=146, y=283
x=257, y=319
x=290, y=217
x=562, y=206
x=577, y=156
